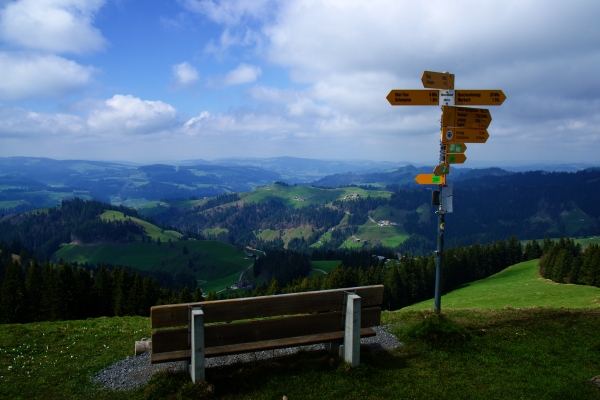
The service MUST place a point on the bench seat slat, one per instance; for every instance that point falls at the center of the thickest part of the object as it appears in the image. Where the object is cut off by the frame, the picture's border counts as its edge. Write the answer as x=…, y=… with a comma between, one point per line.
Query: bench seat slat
x=264, y=306
x=181, y=355
x=261, y=330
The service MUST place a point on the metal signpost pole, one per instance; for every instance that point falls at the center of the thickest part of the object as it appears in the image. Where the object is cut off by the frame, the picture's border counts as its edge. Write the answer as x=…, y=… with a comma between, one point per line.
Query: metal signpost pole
x=459, y=125
x=437, y=306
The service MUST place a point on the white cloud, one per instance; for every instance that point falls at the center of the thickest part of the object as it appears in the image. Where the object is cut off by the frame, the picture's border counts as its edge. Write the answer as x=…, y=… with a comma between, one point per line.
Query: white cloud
x=58, y=26
x=128, y=114
x=25, y=75
x=230, y=12
x=267, y=126
x=19, y=123
x=244, y=73
x=185, y=75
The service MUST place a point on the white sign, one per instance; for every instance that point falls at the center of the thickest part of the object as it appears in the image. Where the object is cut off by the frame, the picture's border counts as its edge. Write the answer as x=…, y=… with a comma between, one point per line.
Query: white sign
x=446, y=198
x=446, y=97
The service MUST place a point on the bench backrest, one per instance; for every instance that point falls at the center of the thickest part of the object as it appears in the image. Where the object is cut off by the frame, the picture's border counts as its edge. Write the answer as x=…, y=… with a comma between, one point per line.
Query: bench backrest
x=323, y=311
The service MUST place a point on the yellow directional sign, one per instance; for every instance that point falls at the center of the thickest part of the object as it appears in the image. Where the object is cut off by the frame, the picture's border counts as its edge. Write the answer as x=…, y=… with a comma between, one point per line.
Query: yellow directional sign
x=442, y=169
x=414, y=97
x=437, y=80
x=466, y=117
x=464, y=135
x=479, y=97
x=456, y=148
x=455, y=158
x=430, y=179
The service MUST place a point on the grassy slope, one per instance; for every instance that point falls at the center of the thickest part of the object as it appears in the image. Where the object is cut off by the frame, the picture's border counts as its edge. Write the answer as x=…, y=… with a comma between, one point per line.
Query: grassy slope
x=222, y=263
x=517, y=286
x=151, y=230
x=532, y=354
x=388, y=235
x=313, y=195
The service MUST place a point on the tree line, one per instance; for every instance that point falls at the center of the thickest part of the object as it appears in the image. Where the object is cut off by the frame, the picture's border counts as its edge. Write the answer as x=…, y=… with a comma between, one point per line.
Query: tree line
x=564, y=262
x=31, y=292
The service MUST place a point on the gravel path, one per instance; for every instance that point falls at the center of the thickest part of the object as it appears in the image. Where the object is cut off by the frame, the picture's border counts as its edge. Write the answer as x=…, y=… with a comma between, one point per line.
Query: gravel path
x=136, y=371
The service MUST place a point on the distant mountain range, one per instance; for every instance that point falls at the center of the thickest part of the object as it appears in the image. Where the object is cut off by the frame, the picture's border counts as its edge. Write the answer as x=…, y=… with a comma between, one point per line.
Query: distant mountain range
x=31, y=182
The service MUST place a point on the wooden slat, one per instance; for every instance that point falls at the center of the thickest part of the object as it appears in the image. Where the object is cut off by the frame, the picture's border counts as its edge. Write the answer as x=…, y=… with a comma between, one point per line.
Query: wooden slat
x=260, y=331
x=182, y=355
x=265, y=306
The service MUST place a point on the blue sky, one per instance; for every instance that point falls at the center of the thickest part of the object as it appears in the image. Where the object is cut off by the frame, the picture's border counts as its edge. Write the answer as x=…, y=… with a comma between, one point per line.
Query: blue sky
x=160, y=81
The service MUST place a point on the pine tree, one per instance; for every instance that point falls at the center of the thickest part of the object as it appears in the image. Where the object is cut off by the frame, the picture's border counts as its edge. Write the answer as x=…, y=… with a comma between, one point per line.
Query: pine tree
x=212, y=295
x=13, y=299
x=198, y=297
x=34, y=287
x=186, y=296
x=65, y=296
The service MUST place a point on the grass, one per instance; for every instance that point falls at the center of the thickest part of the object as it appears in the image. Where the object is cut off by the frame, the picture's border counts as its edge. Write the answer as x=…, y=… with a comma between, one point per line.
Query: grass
x=532, y=350
x=517, y=286
x=151, y=230
x=55, y=360
x=312, y=195
x=217, y=263
x=319, y=266
x=390, y=236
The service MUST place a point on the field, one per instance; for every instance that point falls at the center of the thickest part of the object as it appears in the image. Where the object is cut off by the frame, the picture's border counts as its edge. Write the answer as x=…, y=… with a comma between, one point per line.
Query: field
x=323, y=267
x=517, y=286
x=151, y=230
x=575, y=220
x=371, y=232
x=308, y=194
x=499, y=354
x=216, y=264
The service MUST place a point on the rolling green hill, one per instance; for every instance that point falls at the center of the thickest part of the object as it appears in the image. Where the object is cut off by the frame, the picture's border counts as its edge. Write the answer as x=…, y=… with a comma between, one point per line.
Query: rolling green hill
x=301, y=196
x=215, y=264
x=517, y=286
x=151, y=230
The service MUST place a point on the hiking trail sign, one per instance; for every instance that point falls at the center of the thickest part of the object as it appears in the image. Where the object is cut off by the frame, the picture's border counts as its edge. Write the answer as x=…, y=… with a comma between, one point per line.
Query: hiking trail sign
x=459, y=125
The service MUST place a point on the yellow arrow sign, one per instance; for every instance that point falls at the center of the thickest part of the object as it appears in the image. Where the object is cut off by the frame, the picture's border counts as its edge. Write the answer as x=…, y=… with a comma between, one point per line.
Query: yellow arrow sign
x=456, y=148
x=430, y=179
x=479, y=97
x=414, y=97
x=464, y=135
x=466, y=117
x=442, y=169
x=437, y=80
x=455, y=158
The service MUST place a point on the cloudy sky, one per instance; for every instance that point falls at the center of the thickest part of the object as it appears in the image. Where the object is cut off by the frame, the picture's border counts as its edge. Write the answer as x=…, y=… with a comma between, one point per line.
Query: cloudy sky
x=151, y=81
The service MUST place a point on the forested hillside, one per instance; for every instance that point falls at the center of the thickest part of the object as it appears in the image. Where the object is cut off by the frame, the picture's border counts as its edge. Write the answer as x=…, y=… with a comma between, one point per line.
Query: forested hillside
x=75, y=220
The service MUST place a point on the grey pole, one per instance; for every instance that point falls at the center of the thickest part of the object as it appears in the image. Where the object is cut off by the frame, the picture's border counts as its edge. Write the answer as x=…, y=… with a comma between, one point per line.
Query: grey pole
x=437, y=304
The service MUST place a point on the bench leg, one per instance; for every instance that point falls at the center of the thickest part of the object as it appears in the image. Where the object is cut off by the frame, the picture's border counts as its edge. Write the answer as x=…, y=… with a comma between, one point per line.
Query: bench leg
x=334, y=348
x=352, y=330
x=197, y=341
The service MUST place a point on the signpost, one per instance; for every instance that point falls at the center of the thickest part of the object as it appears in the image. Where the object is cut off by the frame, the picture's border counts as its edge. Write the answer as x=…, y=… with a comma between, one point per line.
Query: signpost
x=456, y=148
x=442, y=169
x=414, y=97
x=437, y=80
x=455, y=158
x=464, y=135
x=430, y=179
x=479, y=97
x=459, y=125
x=466, y=117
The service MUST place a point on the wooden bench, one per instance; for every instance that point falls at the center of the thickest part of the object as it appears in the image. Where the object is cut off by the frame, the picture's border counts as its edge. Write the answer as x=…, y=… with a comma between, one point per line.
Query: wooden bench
x=338, y=318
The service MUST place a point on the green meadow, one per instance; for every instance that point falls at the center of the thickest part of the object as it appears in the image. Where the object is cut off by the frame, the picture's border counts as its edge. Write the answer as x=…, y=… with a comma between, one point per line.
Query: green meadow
x=370, y=232
x=518, y=286
x=151, y=230
x=216, y=264
x=309, y=194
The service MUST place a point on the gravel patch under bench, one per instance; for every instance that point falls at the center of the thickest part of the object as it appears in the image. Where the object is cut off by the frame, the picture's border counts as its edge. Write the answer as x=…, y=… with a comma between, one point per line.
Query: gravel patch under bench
x=136, y=371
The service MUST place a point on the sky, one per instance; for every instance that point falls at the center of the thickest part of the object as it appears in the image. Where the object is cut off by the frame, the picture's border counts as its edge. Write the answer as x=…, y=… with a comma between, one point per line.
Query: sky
x=163, y=81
